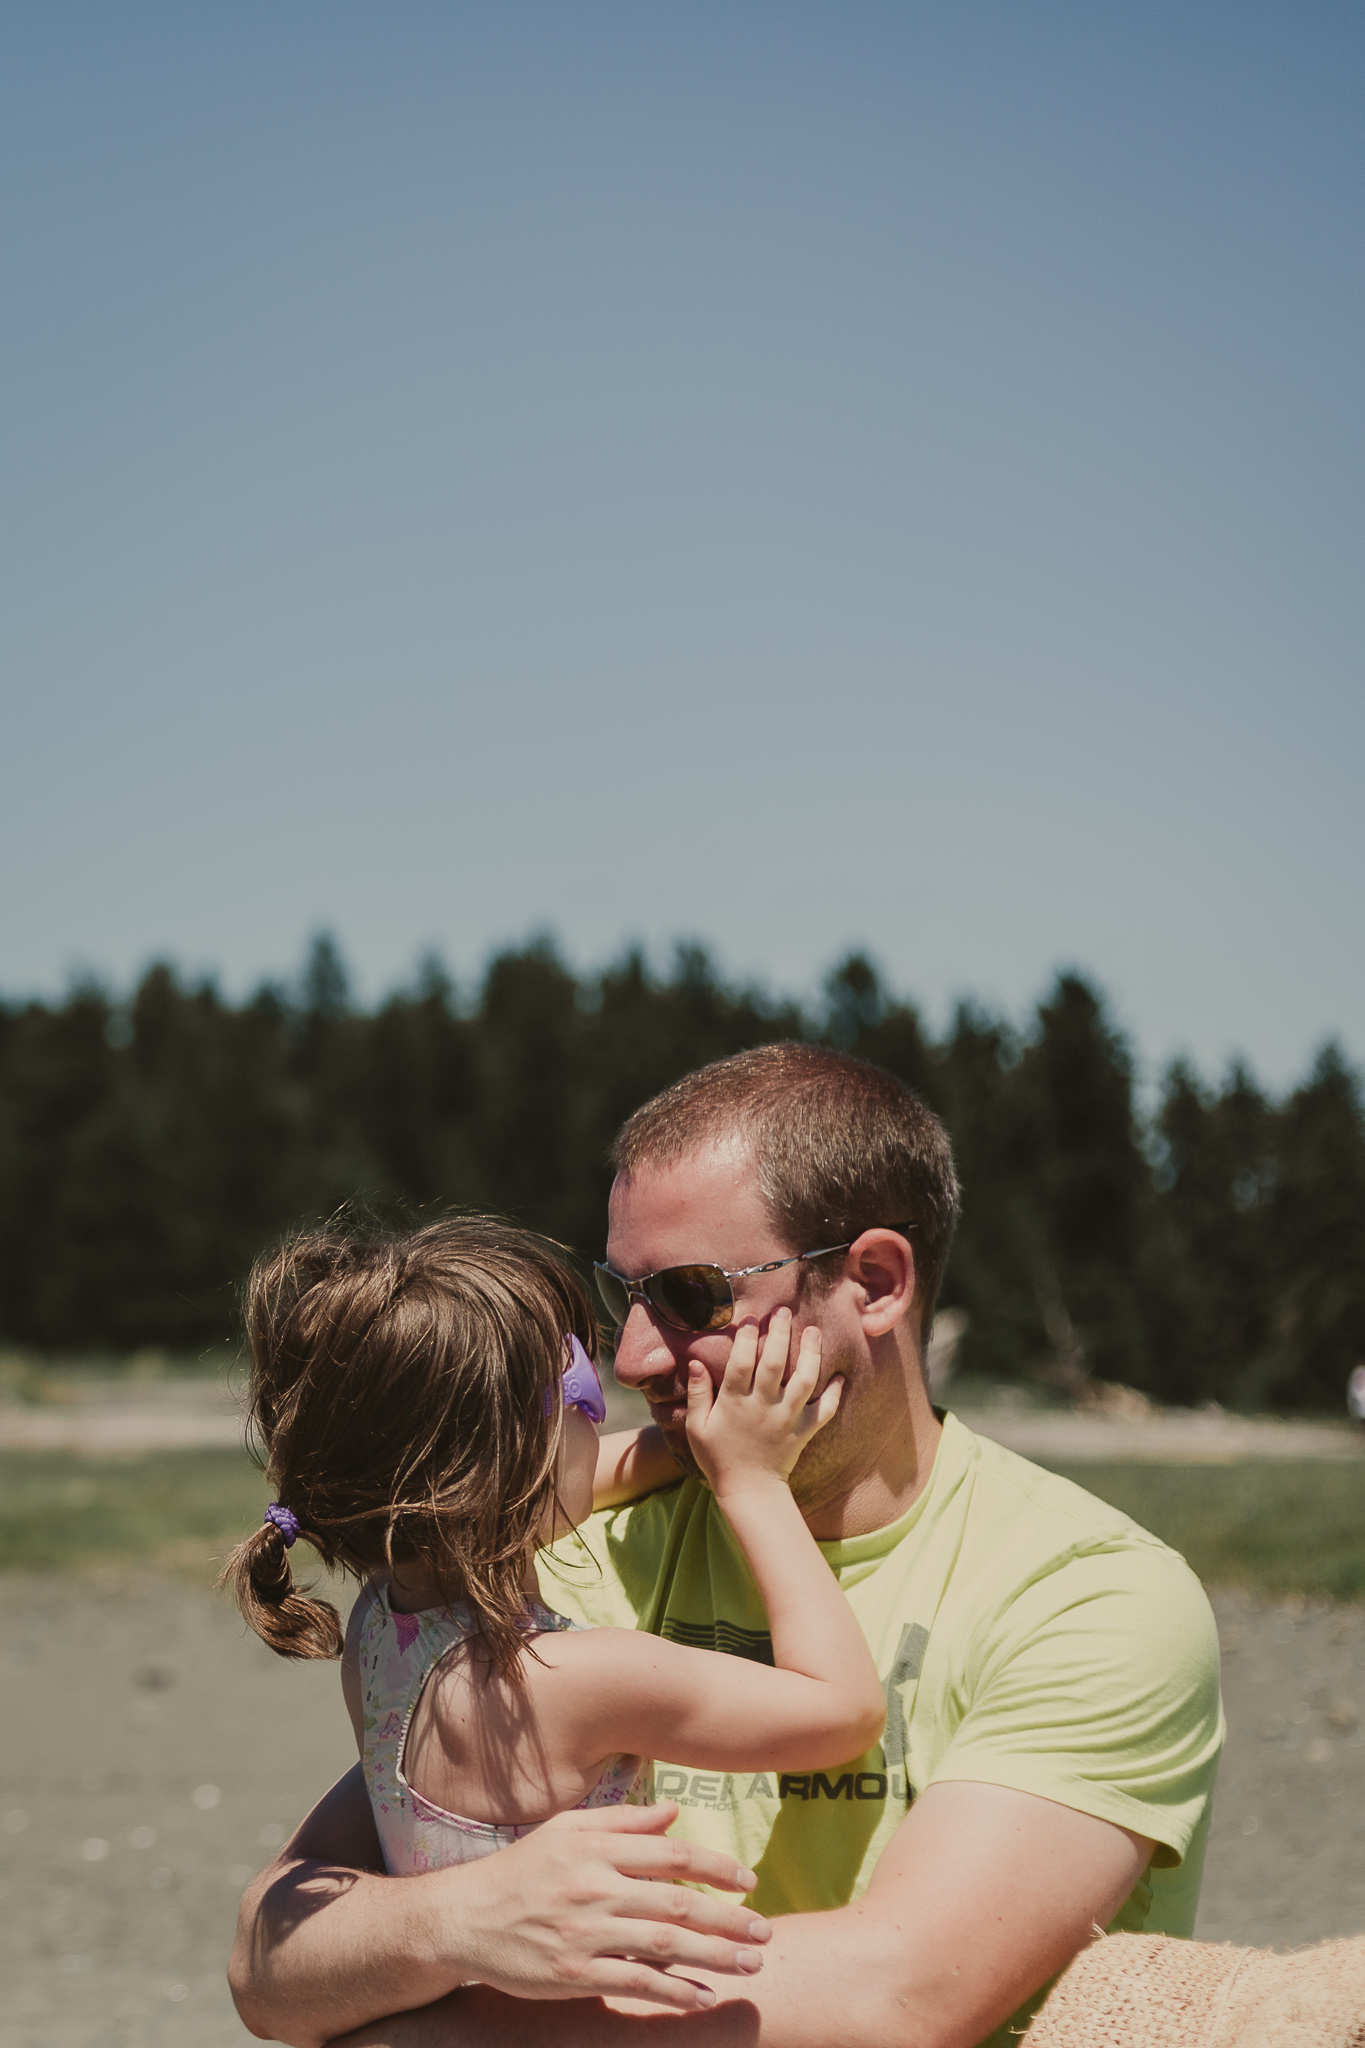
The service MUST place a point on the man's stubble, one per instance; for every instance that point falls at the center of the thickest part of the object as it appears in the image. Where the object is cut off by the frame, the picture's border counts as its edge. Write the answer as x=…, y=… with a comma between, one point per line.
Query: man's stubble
x=834, y=1459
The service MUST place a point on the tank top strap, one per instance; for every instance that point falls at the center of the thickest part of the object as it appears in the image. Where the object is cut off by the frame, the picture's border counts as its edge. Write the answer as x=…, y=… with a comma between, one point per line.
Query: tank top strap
x=397, y=1654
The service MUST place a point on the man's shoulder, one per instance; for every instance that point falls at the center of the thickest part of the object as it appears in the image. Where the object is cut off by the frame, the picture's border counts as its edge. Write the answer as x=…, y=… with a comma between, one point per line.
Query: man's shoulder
x=642, y=1527
x=1040, y=1509
x=1022, y=1526
x=607, y=1574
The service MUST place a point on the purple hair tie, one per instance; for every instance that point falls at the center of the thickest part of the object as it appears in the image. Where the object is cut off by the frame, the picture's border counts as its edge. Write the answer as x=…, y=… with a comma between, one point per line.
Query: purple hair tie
x=285, y=1520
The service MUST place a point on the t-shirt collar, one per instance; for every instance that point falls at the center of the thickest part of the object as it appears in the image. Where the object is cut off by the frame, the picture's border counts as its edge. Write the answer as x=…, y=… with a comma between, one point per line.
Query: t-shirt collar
x=950, y=1463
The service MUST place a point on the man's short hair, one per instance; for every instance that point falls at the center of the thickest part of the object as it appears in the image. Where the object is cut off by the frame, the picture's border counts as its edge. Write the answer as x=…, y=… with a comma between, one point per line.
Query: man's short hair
x=840, y=1147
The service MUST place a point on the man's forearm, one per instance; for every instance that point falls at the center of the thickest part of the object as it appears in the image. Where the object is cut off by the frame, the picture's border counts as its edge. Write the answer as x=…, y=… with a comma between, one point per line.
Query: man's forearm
x=982, y=1896
x=478, y=2016
x=810, y=1993
x=376, y=1946
x=600, y=1901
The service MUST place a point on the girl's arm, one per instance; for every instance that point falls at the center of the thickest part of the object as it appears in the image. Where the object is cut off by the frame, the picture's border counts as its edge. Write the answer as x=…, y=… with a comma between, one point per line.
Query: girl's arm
x=631, y=1462
x=615, y=1689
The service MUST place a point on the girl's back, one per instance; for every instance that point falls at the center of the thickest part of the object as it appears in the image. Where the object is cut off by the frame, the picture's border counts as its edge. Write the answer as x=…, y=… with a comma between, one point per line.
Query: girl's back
x=424, y=1668
x=430, y=1414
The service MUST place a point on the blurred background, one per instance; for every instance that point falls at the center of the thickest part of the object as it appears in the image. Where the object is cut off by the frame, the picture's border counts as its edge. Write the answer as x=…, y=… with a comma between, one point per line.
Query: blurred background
x=544, y=545
x=1207, y=1243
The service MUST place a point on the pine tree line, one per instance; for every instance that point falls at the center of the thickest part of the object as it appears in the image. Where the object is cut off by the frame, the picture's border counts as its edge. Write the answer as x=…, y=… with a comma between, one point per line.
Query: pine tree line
x=149, y=1150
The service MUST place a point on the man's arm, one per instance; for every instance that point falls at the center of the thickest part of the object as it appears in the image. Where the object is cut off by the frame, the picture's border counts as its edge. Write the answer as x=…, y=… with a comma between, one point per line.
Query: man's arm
x=326, y=1941
x=980, y=1897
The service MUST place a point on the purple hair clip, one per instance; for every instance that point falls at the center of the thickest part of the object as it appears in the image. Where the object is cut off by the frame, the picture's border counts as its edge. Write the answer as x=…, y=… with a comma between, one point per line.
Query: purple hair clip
x=285, y=1520
x=582, y=1387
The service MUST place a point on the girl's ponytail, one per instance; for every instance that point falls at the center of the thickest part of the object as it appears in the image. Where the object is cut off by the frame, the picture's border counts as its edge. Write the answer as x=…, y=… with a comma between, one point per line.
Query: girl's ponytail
x=406, y=1403
x=258, y=1570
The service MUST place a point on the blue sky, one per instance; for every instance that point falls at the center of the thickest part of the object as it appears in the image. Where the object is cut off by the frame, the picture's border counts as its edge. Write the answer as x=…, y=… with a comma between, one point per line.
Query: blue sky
x=796, y=476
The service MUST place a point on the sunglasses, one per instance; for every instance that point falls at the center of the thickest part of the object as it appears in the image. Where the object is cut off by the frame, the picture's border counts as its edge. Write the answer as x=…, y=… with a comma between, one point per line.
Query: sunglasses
x=691, y=1297
x=581, y=1386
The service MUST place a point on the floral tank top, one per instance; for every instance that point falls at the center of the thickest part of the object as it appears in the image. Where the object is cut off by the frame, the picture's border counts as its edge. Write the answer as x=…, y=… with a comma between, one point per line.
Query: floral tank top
x=398, y=1653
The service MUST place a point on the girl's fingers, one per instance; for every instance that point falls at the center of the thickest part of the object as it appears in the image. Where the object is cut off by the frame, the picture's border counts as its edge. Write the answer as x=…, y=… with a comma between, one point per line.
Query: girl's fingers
x=700, y=1394
x=806, y=1370
x=824, y=1409
x=773, y=1360
x=739, y=1367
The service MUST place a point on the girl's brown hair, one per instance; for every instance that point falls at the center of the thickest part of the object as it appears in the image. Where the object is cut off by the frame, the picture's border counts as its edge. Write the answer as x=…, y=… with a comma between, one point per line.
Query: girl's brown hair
x=405, y=1402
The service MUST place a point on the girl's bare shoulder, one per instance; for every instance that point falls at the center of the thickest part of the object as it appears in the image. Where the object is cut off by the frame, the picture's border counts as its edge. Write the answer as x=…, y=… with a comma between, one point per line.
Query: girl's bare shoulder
x=590, y=1660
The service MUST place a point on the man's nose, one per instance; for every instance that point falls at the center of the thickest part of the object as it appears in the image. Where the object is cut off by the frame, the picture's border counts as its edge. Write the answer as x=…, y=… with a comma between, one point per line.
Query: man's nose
x=642, y=1351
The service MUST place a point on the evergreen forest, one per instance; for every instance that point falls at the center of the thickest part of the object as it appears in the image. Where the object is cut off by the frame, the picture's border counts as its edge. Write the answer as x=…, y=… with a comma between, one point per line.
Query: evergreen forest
x=1212, y=1250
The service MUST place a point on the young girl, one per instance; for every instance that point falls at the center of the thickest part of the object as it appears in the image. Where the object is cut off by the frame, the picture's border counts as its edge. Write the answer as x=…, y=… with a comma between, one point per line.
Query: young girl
x=429, y=1411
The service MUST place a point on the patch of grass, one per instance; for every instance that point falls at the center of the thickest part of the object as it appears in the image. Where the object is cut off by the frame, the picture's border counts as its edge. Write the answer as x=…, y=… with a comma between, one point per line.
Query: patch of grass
x=58, y=1508
x=1291, y=1526
x=1278, y=1526
x=47, y=1376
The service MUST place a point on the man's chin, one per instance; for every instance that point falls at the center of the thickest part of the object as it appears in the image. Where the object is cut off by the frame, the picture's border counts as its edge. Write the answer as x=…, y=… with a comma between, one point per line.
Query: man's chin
x=673, y=1429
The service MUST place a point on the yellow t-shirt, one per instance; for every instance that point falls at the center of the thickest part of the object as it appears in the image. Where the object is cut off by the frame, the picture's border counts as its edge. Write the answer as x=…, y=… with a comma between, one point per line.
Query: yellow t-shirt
x=1029, y=1636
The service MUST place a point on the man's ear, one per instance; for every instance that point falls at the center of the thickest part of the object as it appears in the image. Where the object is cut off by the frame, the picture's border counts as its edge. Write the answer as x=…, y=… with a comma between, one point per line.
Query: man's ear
x=881, y=1263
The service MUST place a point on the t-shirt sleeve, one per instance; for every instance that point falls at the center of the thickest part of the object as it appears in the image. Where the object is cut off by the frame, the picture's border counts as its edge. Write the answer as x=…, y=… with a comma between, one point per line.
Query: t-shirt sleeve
x=1098, y=1688
x=605, y=1574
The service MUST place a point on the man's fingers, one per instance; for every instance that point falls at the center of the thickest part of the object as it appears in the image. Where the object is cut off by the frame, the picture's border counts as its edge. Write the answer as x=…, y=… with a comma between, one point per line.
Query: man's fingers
x=617, y=1825
x=611, y=1820
x=605, y=1912
x=663, y=1947
x=623, y=1978
x=674, y=1910
x=634, y=1841
x=663, y=1881
x=651, y=1941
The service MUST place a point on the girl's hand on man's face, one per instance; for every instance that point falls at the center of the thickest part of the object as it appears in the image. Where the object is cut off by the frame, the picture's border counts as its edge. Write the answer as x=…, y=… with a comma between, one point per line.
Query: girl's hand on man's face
x=756, y=1424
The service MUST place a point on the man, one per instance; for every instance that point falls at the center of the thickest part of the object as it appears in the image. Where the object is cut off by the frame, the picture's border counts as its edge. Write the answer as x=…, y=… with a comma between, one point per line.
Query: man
x=1053, y=1723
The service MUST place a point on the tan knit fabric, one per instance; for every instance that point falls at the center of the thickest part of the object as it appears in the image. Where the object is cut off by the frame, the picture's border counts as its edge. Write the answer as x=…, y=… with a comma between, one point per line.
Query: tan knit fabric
x=1147, y=1991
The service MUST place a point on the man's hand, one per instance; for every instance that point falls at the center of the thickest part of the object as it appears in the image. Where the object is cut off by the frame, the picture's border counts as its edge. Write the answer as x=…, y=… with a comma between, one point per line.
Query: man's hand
x=559, y=1922
x=326, y=1942
x=980, y=1897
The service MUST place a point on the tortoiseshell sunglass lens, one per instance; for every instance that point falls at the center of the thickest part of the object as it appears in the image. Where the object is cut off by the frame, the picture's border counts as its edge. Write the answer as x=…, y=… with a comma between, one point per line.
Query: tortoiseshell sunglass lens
x=691, y=1297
